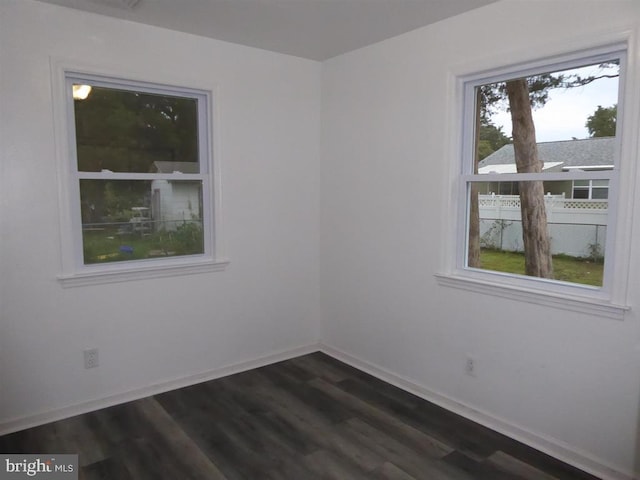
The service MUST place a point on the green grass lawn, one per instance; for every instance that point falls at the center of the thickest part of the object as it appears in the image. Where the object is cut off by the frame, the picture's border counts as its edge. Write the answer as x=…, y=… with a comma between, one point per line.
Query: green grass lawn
x=101, y=246
x=567, y=269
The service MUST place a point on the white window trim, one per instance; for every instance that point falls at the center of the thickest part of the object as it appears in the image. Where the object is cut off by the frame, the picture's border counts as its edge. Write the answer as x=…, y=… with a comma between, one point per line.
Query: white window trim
x=73, y=272
x=611, y=302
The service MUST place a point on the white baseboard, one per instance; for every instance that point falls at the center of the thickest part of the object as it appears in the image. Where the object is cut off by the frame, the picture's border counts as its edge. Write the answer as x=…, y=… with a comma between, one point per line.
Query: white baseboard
x=550, y=446
x=41, y=418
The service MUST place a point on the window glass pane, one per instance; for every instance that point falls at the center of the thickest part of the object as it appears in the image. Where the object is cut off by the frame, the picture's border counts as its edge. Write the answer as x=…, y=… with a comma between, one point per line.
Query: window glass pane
x=580, y=193
x=600, y=193
x=138, y=219
x=600, y=183
x=573, y=115
x=576, y=230
x=581, y=183
x=507, y=188
x=130, y=131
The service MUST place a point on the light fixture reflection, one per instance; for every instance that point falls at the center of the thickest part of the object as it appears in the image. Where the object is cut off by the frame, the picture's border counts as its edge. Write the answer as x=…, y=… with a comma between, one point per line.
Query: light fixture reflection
x=80, y=92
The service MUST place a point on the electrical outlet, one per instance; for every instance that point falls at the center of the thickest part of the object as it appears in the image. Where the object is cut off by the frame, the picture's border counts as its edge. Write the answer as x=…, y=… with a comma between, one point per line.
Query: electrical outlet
x=470, y=366
x=91, y=358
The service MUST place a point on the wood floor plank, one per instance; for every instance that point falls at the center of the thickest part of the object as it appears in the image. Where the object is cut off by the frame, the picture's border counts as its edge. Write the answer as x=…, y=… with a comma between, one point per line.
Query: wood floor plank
x=517, y=468
x=78, y=436
x=381, y=394
x=145, y=459
x=182, y=447
x=105, y=470
x=548, y=464
x=390, y=424
x=318, y=367
x=293, y=469
x=451, y=430
x=317, y=400
x=479, y=470
x=389, y=471
x=288, y=405
x=409, y=460
x=334, y=467
x=232, y=460
x=312, y=422
x=286, y=370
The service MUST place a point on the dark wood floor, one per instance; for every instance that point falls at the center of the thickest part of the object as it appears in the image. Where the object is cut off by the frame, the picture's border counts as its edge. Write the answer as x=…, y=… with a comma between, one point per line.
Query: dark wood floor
x=311, y=417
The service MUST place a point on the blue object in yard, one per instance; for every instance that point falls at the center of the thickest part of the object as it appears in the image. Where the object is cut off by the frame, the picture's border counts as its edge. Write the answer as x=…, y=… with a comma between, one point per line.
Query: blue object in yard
x=126, y=249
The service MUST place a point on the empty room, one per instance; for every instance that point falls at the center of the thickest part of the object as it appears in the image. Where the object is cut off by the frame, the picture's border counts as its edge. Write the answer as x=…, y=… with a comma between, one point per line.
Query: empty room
x=305, y=239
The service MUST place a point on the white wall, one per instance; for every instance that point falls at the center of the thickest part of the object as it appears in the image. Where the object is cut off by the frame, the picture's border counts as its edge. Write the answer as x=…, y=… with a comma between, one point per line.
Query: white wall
x=154, y=331
x=565, y=381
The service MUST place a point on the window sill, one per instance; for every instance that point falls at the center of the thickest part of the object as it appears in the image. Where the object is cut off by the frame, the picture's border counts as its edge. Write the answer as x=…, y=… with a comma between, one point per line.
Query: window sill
x=139, y=273
x=591, y=306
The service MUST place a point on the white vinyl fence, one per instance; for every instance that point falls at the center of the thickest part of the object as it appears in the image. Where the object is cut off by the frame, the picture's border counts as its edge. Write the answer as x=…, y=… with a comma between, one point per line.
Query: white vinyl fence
x=577, y=227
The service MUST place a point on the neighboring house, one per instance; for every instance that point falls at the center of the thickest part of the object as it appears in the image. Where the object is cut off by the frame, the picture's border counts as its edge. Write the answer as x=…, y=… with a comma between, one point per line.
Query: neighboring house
x=587, y=154
x=576, y=210
x=175, y=202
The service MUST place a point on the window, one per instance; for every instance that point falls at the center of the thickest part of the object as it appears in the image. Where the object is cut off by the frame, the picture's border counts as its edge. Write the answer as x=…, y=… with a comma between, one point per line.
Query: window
x=591, y=189
x=139, y=178
x=537, y=205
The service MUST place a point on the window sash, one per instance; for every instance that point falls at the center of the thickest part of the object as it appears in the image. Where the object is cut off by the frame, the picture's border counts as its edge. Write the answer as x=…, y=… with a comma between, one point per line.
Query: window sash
x=201, y=97
x=139, y=176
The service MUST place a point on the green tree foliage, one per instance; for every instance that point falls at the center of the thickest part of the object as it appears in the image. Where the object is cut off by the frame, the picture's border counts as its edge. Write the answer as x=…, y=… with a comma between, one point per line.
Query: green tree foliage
x=603, y=122
x=493, y=97
x=490, y=139
x=126, y=131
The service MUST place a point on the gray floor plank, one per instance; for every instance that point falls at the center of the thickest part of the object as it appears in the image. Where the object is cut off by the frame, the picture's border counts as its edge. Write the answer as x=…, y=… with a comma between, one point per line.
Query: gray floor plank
x=394, y=427
x=334, y=467
x=517, y=468
x=389, y=471
x=409, y=460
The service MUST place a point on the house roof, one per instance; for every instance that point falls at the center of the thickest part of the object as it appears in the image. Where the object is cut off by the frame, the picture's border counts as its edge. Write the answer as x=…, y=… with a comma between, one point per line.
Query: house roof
x=587, y=153
x=172, y=167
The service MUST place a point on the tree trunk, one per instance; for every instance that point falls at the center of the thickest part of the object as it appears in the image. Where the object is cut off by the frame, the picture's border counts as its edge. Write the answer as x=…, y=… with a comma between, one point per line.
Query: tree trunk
x=473, y=259
x=537, y=248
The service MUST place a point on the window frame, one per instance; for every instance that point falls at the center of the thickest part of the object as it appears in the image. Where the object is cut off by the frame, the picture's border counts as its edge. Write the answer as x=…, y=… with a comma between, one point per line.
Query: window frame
x=74, y=271
x=608, y=301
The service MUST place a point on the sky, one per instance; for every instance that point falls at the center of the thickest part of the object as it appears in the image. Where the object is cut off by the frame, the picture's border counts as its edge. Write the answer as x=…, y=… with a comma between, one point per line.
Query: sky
x=564, y=115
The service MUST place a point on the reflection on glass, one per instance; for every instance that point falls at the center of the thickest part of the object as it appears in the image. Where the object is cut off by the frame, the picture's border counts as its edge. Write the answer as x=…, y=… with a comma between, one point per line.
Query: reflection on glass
x=128, y=131
x=577, y=228
x=140, y=219
x=81, y=92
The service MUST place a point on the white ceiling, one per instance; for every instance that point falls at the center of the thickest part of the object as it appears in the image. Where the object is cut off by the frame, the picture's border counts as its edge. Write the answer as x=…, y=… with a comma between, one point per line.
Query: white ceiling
x=314, y=29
